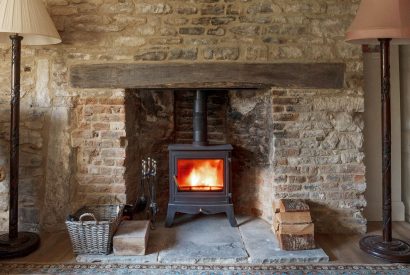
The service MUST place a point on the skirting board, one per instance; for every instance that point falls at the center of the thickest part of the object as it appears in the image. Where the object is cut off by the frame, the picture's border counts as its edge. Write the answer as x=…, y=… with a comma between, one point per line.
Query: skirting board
x=373, y=211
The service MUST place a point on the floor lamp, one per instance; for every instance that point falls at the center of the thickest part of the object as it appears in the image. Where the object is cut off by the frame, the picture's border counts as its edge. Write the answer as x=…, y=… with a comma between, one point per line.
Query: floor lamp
x=383, y=22
x=23, y=22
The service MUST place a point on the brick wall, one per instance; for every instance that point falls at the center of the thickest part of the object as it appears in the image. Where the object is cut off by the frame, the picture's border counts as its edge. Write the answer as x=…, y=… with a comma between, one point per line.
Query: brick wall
x=61, y=170
x=217, y=105
x=97, y=131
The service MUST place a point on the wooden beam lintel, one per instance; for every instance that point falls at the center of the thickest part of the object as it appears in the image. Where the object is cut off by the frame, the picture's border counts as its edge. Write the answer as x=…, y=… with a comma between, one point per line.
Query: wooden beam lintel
x=209, y=75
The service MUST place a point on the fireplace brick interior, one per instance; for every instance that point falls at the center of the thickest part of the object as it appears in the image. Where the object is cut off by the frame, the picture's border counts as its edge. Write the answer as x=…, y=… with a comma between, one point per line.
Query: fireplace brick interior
x=287, y=144
x=77, y=144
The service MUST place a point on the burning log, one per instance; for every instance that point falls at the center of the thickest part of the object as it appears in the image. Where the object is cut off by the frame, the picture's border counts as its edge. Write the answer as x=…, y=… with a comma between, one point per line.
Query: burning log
x=200, y=174
x=293, y=226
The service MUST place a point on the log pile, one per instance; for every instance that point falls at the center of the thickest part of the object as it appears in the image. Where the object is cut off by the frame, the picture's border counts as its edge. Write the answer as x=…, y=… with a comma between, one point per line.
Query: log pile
x=293, y=225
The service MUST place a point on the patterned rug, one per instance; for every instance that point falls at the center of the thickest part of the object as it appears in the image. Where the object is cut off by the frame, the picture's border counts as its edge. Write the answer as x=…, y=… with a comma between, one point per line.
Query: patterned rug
x=277, y=269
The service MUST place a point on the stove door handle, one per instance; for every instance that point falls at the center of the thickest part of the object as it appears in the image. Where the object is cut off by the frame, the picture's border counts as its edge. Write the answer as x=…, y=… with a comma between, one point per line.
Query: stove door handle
x=176, y=182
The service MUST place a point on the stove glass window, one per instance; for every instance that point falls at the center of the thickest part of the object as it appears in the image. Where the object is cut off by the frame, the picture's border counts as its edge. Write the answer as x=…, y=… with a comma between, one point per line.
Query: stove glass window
x=200, y=175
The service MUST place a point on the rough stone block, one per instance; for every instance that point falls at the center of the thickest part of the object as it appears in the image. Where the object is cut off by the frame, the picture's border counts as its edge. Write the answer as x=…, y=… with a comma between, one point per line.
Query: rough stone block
x=183, y=54
x=222, y=53
x=216, y=31
x=201, y=21
x=151, y=56
x=131, y=238
x=245, y=30
x=187, y=10
x=213, y=9
x=192, y=30
x=159, y=8
x=222, y=20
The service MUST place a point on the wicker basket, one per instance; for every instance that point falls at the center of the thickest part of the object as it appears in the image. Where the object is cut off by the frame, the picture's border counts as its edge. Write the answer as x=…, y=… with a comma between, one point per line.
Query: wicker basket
x=94, y=236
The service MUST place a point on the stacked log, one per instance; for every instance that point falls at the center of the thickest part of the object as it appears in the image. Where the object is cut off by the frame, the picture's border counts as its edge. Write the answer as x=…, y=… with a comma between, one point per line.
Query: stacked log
x=293, y=226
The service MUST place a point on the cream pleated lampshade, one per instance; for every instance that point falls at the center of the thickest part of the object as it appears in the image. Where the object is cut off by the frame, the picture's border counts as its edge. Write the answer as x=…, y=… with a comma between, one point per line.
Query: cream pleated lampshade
x=381, y=19
x=27, y=18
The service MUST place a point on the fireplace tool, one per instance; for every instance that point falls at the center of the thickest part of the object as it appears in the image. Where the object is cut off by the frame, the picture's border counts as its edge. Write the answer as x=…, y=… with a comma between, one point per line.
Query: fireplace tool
x=148, y=183
x=141, y=203
x=152, y=189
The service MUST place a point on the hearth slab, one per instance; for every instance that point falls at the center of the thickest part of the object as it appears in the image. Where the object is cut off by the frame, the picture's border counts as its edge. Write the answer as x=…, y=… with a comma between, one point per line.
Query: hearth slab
x=211, y=239
x=112, y=259
x=263, y=247
x=202, y=239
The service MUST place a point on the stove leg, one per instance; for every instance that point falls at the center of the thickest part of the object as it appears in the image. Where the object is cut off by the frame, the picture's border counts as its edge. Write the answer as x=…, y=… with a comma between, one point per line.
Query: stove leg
x=170, y=216
x=231, y=216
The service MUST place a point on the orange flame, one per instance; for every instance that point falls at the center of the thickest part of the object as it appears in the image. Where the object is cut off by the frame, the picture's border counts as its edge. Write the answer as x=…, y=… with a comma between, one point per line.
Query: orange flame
x=200, y=174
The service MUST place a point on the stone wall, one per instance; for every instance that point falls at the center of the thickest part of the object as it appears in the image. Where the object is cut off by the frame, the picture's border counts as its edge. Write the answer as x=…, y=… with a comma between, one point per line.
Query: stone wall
x=250, y=132
x=318, y=139
x=74, y=140
x=35, y=103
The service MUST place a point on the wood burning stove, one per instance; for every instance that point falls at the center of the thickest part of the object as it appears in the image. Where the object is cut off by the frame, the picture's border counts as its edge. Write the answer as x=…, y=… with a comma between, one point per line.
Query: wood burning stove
x=199, y=173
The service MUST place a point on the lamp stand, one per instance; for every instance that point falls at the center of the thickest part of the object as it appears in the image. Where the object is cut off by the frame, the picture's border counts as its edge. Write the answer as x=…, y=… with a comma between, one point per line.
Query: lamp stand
x=16, y=244
x=385, y=246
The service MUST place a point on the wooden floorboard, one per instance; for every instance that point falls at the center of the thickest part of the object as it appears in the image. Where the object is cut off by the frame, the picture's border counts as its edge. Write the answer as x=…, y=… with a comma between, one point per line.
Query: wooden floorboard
x=342, y=249
x=345, y=248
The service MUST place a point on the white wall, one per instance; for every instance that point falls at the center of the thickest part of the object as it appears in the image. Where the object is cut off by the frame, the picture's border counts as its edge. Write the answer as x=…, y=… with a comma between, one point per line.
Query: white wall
x=405, y=111
x=372, y=136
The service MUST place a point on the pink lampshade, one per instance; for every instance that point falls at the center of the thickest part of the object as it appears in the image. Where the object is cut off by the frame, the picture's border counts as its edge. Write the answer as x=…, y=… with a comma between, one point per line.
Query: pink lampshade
x=381, y=19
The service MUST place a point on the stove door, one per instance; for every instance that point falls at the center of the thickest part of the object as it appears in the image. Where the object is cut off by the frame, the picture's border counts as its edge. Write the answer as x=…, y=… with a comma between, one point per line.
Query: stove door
x=200, y=177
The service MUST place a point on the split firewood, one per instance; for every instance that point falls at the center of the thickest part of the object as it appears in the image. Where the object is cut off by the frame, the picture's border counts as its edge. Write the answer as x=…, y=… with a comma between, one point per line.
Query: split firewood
x=292, y=224
x=295, y=229
x=293, y=217
x=292, y=205
x=296, y=242
x=275, y=206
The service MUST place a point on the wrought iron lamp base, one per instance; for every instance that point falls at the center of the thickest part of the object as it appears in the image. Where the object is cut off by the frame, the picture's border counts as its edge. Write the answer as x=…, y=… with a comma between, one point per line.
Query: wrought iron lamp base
x=395, y=251
x=24, y=244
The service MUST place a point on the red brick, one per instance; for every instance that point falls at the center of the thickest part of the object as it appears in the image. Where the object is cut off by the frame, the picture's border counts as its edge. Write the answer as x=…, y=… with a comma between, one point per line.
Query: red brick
x=101, y=126
x=285, y=117
x=285, y=101
x=112, y=101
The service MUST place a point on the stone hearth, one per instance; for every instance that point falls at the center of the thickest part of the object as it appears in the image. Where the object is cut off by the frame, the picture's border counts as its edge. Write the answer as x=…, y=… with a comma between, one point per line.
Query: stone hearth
x=210, y=239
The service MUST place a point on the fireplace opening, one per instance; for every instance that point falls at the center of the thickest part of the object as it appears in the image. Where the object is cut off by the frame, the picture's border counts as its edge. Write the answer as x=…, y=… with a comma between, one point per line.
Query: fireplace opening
x=200, y=175
x=236, y=121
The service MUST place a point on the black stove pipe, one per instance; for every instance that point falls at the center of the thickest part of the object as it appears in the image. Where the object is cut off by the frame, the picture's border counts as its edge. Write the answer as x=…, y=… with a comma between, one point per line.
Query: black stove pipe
x=200, y=125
